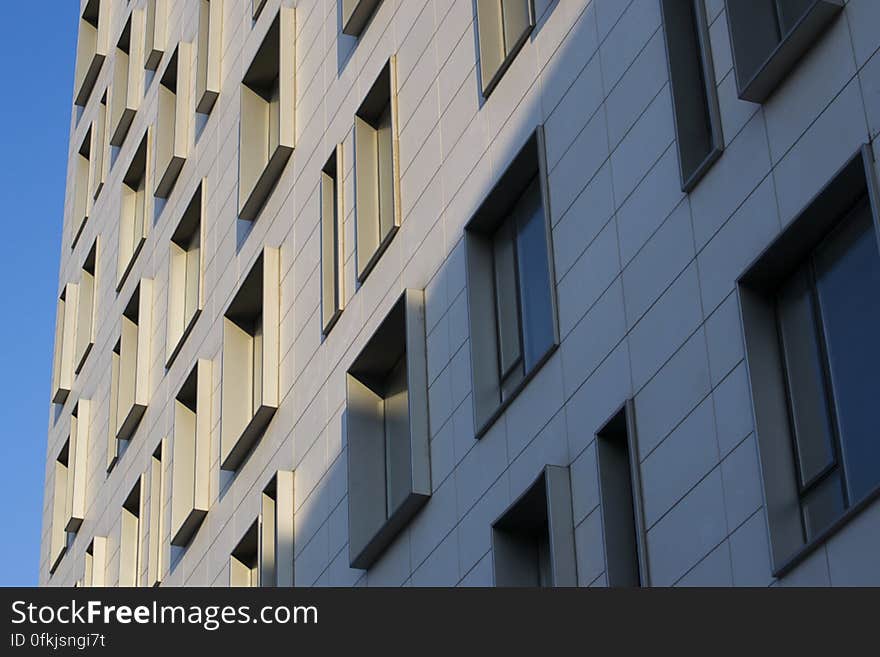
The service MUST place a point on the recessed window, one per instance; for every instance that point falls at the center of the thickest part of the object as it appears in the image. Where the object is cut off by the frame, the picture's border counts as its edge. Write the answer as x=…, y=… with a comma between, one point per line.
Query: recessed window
x=264, y=555
x=59, y=538
x=266, y=135
x=65, y=343
x=331, y=241
x=94, y=568
x=99, y=156
x=389, y=467
x=130, y=537
x=250, y=360
x=377, y=193
x=82, y=201
x=356, y=14
x=257, y=8
x=694, y=96
x=91, y=49
x=156, y=518
x=191, y=457
x=77, y=472
x=113, y=443
x=173, y=120
x=85, y=316
x=502, y=28
x=132, y=382
x=769, y=38
x=512, y=299
x=126, y=90
x=533, y=541
x=134, y=220
x=620, y=494
x=185, y=276
x=155, y=32
x=210, y=51
x=811, y=314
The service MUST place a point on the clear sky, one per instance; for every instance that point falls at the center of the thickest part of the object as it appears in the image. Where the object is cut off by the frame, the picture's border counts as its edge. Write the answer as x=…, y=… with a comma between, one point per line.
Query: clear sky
x=37, y=42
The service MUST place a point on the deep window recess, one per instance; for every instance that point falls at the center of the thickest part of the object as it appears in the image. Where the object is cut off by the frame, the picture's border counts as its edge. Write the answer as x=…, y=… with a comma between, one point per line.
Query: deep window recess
x=511, y=289
x=811, y=314
x=770, y=37
x=250, y=360
x=155, y=32
x=387, y=428
x=82, y=202
x=209, y=54
x=127, y=88
x=100, y=157
x=59, y=538
x=502, y=28
x=191, y=454
x=156, y=517
x=533, y=541
x=377, y=193
x=65, y=343
x=331, y=241
x=620, y=493
x=264, y=555
x=694, y=95
x=185, y=275
x=173, y=120
x=91, y=49
x=95, y=563
x=85, y=319
x=134, y=220
x=133, y=374
x=266, y=135
x=130, y=537
x=356, y=14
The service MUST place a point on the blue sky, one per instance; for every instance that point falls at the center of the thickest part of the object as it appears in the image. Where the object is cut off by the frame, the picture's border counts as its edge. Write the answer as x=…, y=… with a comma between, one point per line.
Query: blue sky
x=37, y=42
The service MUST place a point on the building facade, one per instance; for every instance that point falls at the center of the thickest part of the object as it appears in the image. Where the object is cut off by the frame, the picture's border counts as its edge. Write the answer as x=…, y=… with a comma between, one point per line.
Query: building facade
x=468, y=292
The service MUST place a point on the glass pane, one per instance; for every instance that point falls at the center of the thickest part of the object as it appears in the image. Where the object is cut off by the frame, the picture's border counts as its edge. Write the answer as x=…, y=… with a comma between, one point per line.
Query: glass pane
x=803, y=365
x=506, y=311
x=397, y=438
x=823, y=505
x=515, y=20
x=534, y=276
x=848, y=278
x=385, y=164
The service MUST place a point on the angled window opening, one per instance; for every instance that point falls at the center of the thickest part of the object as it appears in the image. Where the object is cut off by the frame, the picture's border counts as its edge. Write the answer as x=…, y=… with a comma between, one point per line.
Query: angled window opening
x=356, y=15
x=130, y=537
x=770, y=37
x=191, y=456
x=389, y=467
x=134, y=221
x=533, y=541
x=155, y=32
x=126, y=90
x=173, y=120
x=186, y=274
x=65, y=343
x=250, y=360
x=94, y=568
x=503, y=26
x=86, y=314
x=620, y=495
x=266, y=134
x=511, y=284
x=59, y=538
x=133, y=371
x=100, y=159
x=156, y=518
x=77, y=470
x=82, y=201
x=811, y=311
x=91, y=49
x=694, y=94
x=264, y=555
x=210, y=52
x=331, y=241
x=377, y=189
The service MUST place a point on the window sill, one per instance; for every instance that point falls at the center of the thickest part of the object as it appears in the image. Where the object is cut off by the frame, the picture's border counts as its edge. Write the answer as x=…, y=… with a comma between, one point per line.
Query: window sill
x=256, y=197
x=808, y=548
x=183, y=336
x=489, y=86
x=499, y=411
